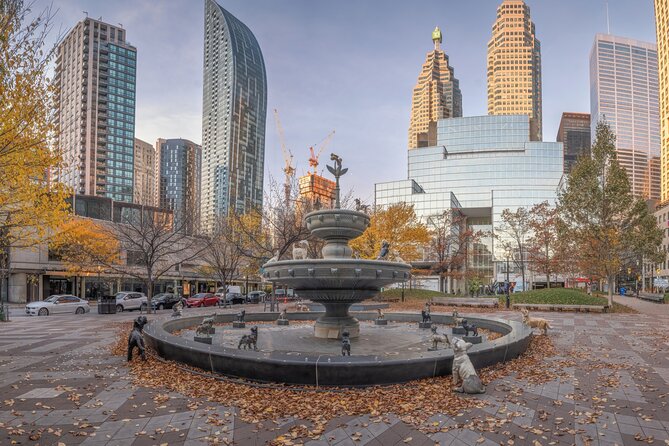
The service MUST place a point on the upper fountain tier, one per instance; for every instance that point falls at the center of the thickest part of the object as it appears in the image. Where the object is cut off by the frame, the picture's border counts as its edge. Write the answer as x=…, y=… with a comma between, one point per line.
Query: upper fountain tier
x=337, y=227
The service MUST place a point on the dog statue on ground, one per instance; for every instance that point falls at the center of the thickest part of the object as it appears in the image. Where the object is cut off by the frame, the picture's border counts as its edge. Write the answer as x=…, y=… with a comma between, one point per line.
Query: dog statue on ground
x=345, y=344
x=283, y=315
x=425, y=313
x=300, y=250
x=241, y=315
x=205, y=326
x=463, y=369
x=300, y=306
x=135, y=339
x=249, y=341
x=457, y=320
x=380, y=315
x=177, y=309
x=438, y=338
x=535, y=322
x=470, y=327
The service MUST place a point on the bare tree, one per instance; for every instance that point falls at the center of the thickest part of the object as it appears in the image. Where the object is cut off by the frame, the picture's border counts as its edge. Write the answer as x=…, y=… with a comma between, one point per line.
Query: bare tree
x=514, y=233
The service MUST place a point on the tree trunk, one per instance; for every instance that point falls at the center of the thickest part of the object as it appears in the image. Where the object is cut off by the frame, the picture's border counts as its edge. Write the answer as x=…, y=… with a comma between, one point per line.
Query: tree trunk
x=611, y=281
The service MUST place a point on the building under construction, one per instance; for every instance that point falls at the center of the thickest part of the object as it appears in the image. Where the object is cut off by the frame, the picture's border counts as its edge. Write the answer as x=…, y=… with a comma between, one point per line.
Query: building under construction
x=318, y=190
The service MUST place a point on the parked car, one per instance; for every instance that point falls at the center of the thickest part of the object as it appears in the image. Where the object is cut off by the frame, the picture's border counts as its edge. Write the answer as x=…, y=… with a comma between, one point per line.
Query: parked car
x=234, y=298
x=256, y=296
x=164, y=300
x=58, y=303
x=131, y=300
x=202, y=300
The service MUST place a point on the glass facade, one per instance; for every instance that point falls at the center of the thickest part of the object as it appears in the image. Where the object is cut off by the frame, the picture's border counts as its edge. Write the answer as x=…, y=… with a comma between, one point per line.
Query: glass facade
x=485, y=164
x=624, y=94
x=180, y=165
x=233, y=119
x=574, y=134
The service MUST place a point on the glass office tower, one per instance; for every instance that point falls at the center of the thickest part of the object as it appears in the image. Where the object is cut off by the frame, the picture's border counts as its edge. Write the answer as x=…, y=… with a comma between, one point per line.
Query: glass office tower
x=624, y=93
x=482, y=165
x=233, y=118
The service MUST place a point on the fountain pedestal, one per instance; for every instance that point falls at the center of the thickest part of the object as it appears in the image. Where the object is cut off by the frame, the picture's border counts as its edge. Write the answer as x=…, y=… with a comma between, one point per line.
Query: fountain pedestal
x=335, y=321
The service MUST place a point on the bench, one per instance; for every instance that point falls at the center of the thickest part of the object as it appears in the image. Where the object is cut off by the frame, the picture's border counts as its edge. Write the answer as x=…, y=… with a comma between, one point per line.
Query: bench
x=479, y=302
x=652, y=298
x=558, y=307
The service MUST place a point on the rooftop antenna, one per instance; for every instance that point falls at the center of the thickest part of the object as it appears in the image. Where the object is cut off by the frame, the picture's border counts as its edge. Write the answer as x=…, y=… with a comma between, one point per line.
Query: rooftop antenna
x=608, y=20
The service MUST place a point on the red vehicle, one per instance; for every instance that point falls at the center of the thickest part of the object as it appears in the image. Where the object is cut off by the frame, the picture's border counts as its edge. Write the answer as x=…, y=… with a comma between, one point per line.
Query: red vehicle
x=202, y=300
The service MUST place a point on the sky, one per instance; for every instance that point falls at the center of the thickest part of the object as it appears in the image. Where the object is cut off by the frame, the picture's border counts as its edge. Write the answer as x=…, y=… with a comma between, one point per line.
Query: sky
x=349, y=66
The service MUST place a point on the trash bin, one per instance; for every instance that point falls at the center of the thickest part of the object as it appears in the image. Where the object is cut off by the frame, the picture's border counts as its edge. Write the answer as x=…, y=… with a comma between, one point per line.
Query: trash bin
x=107, y=305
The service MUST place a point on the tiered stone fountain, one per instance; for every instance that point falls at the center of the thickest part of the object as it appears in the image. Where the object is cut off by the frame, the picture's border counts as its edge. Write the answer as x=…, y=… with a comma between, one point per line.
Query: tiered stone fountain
x=337, y=280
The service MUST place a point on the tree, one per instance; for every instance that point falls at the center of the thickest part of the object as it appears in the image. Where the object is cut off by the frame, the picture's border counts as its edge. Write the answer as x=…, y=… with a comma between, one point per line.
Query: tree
x=396, y=224
x=30, y=208
x=542, y=243
x=450, y=240
x=85, y=246
x=514, y=233
x=609, y=225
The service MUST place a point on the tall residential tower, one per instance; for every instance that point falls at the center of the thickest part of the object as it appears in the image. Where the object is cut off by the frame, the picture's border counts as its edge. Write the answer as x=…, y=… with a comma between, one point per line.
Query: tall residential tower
x=436, y=96
x=147, y=173
x=662, y=33
x=514, y=66
x=95, y=76
x=233, y=117
x=624, y=94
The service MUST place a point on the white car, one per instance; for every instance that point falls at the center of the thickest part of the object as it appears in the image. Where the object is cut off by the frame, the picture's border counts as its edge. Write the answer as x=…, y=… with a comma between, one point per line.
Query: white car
x=58, y=304
x=131, y=300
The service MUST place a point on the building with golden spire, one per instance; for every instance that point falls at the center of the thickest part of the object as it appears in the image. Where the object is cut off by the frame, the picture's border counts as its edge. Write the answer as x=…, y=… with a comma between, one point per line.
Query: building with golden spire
x=436, y=96
x=514, y=66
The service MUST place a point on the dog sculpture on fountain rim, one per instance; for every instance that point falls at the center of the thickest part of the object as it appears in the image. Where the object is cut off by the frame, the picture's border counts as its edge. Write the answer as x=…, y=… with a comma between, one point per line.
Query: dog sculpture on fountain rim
x=535, y=322
x=463, y=369
x=300, y=250
x=438, y=338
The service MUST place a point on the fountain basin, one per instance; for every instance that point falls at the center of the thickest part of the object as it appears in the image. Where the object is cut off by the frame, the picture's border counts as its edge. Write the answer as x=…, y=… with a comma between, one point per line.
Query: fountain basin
x=336, y=284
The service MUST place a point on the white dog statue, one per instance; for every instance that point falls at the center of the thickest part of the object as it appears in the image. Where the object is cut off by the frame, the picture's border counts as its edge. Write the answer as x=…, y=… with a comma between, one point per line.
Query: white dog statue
x=300, y=253
x=463, y=369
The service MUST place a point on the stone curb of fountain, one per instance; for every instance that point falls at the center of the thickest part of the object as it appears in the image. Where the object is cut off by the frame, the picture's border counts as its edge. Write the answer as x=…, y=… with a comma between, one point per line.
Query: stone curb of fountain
x=329, y=370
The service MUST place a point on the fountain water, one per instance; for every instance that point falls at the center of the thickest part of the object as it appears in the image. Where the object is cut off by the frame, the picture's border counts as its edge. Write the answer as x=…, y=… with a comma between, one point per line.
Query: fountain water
x=337, y=280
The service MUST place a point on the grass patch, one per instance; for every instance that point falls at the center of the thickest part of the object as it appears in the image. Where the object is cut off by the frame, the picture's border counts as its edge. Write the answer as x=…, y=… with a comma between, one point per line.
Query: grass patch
x=395, y=294
x=555, y=296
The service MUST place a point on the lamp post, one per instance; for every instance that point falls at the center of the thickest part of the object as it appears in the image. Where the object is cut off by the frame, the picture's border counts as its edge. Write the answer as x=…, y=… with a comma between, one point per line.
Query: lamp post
x=507, y=284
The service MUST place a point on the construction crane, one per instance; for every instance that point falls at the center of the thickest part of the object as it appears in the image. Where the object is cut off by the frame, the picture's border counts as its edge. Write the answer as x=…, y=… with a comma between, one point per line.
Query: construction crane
x=288, y=169
x=313, y=159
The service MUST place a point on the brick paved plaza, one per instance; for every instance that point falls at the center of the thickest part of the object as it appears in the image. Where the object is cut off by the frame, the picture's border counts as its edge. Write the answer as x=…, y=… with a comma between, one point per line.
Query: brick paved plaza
x=60, y=384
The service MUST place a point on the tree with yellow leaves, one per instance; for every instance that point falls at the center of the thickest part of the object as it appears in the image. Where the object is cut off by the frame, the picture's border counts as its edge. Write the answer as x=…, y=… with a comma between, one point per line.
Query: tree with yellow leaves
x=85, y=246
x=30, y=207
x=399, y=226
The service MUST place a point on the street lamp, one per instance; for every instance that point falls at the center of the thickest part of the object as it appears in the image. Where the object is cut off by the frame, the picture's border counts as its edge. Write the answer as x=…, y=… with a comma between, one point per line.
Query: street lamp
x=507, y=284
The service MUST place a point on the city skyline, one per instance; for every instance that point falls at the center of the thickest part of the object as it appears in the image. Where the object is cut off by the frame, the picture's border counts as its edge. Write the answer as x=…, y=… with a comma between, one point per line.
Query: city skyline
x=312, y=103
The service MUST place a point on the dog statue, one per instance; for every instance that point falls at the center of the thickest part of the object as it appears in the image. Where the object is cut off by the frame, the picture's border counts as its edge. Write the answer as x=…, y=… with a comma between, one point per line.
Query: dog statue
x=361, y=207
x=135, y=339
x=275, y=258
x=463, y=369
x=300, y=253
x=345, y=344
x=438, y=338
x=299, y=306
x=283, y=315
x=385, y=248
x=205, y=326
x=470, y=327
x=241, y=315
x=380, y=315
x=396, y=256
x=177, y=309
x=457, y=320
x=535, y=322
x=425, y=313
x=249, y=341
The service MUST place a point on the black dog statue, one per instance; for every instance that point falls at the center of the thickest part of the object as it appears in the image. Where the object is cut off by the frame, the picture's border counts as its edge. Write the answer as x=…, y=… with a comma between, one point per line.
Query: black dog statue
x=135, y=339
x=426, y=314
x=240, y=316
x=249, y=341
x=345, y=344
x=470, y=327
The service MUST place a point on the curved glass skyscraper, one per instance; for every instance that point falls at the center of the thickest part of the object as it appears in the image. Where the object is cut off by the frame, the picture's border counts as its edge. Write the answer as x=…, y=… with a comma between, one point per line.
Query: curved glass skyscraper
x=234, y=108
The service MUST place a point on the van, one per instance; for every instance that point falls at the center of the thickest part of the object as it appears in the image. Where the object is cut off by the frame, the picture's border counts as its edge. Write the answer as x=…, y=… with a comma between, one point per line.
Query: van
x=230, y=289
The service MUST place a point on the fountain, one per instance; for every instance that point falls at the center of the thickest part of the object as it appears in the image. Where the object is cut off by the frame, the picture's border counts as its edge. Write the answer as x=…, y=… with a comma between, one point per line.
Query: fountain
x=337, y=280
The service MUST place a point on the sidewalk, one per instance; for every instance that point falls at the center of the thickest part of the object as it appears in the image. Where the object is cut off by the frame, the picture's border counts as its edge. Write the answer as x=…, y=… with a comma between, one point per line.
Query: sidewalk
x=643, y=306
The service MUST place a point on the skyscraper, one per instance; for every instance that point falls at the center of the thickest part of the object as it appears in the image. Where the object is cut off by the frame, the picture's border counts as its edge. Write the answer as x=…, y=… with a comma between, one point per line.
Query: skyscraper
x=514, y=66
x=95, y=76
x=624, y=94
x=436, y=96
x=180, y=165
x=146, y=173
x=233, y=118
x=574, y=134
x=662, y=32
